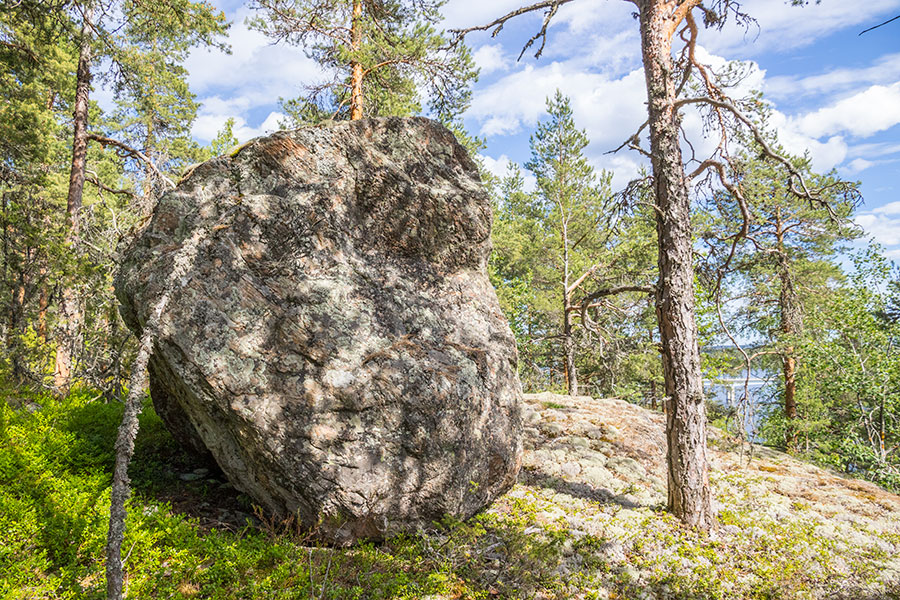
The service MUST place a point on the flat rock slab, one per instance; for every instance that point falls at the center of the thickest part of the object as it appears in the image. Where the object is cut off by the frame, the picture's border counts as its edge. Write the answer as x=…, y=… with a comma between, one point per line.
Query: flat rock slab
x=337, y=348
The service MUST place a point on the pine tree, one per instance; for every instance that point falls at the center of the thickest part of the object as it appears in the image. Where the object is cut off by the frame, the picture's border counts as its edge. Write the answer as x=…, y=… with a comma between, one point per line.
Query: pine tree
x=140, y=43
x=661, y=23
x=380, y=53
x=572, y=206
x=787, y=257
x=32, y=92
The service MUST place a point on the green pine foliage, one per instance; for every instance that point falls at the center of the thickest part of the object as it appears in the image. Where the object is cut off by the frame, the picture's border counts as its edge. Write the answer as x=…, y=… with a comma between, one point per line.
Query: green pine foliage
x=407, y=64
x=138, y=50
x=569, y=227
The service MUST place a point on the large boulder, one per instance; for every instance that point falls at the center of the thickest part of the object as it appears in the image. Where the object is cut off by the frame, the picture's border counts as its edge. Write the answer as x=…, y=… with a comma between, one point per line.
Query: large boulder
x=337, y=347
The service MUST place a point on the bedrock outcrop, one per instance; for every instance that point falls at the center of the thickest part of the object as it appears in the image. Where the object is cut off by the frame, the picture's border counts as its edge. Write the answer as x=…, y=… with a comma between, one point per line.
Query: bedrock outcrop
x=336, y=347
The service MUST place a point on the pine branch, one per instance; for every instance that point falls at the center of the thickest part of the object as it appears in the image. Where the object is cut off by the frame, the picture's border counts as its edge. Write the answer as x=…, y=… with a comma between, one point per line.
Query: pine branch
x=551, y=6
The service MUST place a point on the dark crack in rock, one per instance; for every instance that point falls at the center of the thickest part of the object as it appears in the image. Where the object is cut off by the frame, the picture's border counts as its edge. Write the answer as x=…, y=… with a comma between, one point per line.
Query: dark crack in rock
x=338, y=348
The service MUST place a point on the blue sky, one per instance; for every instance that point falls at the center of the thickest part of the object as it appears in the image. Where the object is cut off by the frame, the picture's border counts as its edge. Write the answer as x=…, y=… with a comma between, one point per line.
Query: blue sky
x=835, y=94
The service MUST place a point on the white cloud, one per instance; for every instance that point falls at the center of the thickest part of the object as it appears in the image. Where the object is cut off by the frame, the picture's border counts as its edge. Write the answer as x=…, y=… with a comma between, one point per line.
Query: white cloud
x=207, y=126
x=885, y=70
x=589, y=17
x=863, y=114
x=780, y=26
x=876, y=150
x=883, y=225
x=891, y=208
x=605, y=107
x=858, y=164
x=270, y=124
x=253, y=76
x=884, y=229
x=625, y=166
x=498, y=167
x=468, y=13
x=824, y=154
x=490, y=58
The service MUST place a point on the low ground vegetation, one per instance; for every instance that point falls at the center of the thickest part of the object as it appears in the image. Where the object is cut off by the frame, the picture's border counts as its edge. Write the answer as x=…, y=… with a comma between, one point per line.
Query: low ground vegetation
x=586, y=520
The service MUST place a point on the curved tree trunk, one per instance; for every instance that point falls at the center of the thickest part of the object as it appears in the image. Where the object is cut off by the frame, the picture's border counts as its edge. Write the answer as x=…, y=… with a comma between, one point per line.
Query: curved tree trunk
x=71, y=311
x=182, y=267
x=689, y=493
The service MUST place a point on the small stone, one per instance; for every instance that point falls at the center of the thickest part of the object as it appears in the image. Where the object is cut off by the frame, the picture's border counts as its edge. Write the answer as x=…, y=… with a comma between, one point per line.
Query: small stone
x=202, y=472
x=190, y=477
x=580, y=442
x=571, y=469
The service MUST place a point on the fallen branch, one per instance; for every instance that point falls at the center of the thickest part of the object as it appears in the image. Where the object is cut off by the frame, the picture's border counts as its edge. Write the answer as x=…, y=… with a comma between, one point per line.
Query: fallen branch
x=181, y=268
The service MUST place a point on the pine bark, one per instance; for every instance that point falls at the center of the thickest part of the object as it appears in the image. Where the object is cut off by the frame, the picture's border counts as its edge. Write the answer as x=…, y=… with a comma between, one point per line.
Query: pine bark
x=688, y=486
x=356, y=69
x=71, y=311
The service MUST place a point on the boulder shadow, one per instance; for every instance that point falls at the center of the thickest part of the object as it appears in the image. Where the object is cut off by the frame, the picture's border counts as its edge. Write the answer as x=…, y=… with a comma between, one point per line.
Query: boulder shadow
x=538, y=477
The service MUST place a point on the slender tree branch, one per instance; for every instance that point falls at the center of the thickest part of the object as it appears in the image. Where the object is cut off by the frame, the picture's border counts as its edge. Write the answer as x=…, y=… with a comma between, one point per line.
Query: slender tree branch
x=91, y=177
x=551, y=6
x=879, y=25
x=124, y=149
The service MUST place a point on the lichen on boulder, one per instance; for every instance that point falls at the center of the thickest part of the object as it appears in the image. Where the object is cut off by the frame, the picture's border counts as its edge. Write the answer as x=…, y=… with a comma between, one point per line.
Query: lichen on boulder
x=337, y=348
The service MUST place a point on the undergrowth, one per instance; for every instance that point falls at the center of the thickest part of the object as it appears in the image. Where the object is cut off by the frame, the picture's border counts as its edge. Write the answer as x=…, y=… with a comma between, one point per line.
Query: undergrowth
x=55, y=471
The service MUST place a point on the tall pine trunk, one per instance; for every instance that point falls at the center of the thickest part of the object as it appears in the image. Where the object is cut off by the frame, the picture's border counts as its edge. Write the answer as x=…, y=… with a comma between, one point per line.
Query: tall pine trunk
x=568, y=339
x=71, y=310
x=356, y=69
x=688, y=488
x=791, y=324
x=14, y=279
x=569, y=351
